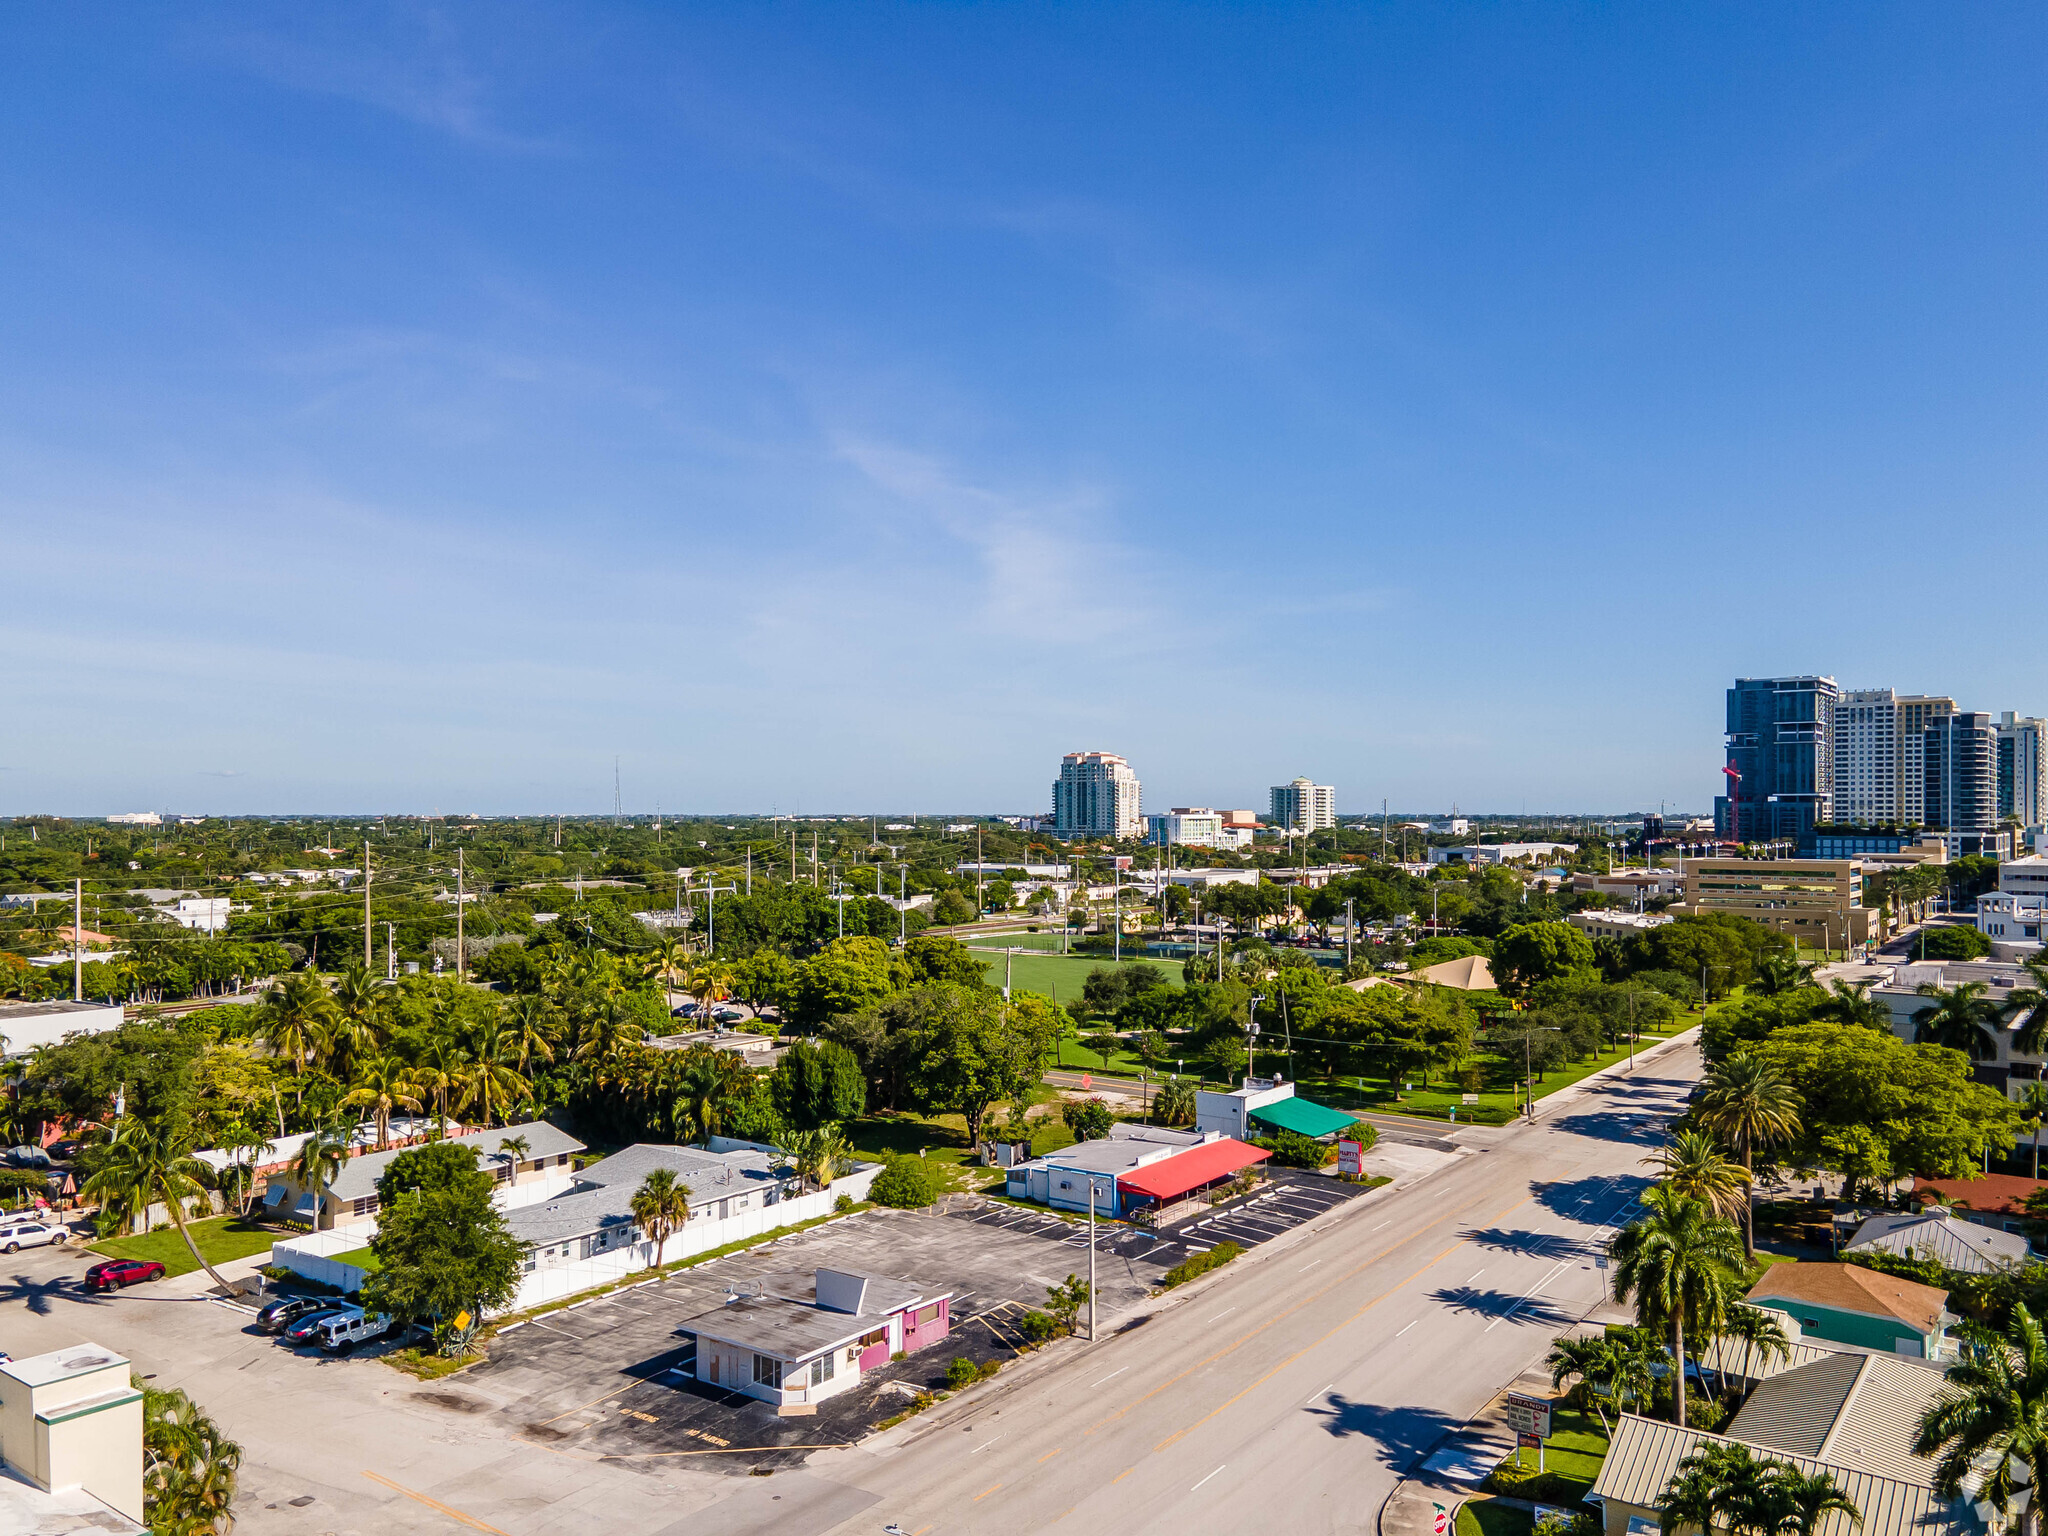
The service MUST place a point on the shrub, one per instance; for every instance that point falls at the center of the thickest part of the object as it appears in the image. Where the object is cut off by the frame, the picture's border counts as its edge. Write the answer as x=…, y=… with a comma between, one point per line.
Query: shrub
x=961, y=1373
x=1199, y=1264
x=1291, y=1149
x=1088, y=1119
x=905, y=1184
x=843, y=1204
x=1952, y=943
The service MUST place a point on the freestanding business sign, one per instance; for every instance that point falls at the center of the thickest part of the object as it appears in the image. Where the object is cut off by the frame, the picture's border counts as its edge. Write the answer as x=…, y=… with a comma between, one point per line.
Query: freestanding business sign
x=1527, y=1415
x=1350, y=1158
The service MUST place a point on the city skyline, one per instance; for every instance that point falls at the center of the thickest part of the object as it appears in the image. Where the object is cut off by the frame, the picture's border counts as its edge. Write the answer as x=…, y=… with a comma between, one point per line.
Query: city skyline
x=415, y=411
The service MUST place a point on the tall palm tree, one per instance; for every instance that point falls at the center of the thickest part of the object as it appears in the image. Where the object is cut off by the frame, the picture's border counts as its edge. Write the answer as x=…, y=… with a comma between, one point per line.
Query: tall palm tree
x=382, y=1084
x=1960, y=1017
x=1850, y=1002
x=1680, y=1263
x=492, y=1083
x=1588, y=1356
x=1693, y=1164
x=611, y=1026
x=147, y=1163
x=1993, y=1410
x=669, y=961
x=316, y=1164
x=297, y=1014
x=516, y=1148
x=532, y=1024
x=2033, y=1103
x=660, y=1206
x=816, y=1155
x=1747, y=1103
x=244, y=1145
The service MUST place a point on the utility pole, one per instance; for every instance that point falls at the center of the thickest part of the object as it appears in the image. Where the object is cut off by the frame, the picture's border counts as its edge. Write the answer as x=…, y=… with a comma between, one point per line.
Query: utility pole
x=1119, y=916
x=1349, y=926
x=902, y=904
x=1383, y=831
x=980, y=901
x=78, y=941
x=1251, y=1034
x=391, y=951
x=366, y=901
x=711, y=890
x=750, y=869
x=460, y=951
x=1091, y=1256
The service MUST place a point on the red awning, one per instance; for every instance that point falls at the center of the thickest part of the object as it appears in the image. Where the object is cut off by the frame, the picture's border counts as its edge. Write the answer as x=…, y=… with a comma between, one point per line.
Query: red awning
x=1176, y=1175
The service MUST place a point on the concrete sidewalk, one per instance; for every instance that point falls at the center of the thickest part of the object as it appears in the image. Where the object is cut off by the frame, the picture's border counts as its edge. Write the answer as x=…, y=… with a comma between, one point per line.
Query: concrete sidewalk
x=1451, y=1473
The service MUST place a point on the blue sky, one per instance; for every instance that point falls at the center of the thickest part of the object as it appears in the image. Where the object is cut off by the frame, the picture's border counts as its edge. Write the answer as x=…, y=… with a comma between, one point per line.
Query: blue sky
x=849, y=407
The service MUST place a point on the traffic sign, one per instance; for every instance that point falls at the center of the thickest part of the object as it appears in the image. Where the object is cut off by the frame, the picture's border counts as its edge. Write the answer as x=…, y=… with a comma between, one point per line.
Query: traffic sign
x=1439, y=1520
x=1527, y=1415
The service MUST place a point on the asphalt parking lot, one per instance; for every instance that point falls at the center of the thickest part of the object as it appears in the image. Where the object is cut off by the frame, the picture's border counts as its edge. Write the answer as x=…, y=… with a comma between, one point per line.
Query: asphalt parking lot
x=1289, y=1198
x=602, y=1376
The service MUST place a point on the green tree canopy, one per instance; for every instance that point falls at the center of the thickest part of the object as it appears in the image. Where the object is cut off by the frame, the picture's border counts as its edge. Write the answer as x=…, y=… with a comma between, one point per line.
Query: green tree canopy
x=1529, y=953
x=818, y=1084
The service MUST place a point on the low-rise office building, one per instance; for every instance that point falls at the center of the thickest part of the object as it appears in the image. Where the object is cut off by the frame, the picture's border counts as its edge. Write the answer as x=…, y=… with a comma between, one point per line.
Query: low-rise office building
x=1133, y=1170
x=1816, y=902
x=801, y=1339
x=1263, y=1105
x=24, y=1026
x=1482, y=854
x=1616, y=925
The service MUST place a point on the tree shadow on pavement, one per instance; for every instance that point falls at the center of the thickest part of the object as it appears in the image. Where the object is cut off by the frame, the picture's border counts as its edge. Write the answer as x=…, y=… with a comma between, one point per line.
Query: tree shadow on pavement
x=1486, y=1302
x=1591, y=1199
x=1403, y=1435
x=1542, y=1245
x=37, y=1295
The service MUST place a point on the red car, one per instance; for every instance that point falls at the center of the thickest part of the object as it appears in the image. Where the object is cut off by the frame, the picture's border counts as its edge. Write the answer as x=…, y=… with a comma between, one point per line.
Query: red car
x=115, y=1273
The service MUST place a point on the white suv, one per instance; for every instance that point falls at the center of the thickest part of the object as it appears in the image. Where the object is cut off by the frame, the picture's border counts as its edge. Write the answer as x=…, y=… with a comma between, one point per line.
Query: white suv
x=16, y=1235
x=339, y=1334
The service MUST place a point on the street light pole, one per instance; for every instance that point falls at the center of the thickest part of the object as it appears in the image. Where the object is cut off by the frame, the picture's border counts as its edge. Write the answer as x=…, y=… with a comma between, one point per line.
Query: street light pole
x=1251, y=1034
x=1091, y=1258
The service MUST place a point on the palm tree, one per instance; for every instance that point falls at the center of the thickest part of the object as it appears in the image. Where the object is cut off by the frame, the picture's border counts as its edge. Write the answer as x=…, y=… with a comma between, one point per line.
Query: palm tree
x=492, y=1083
x=660, y=1205
x=382, y=1084
x=611, y=1026
x=1779, y=974
x=244, y=1145
x=315, y=1165
x=1679, y=1262
x=1693, y=1498
x=711, y=1082
x=1800, y=1498
x=188, y=1466
x=669, y=962
x=2029, y=1005
x=1961, y=1018
x=1850, y=1002
x=147, y=1163
x=1762, y=1335
x=1588, y=1356
x=531, y=1024
x=1747, y=1103
x=297, y=1015
x=1693, y=1165
x=1993, y=1410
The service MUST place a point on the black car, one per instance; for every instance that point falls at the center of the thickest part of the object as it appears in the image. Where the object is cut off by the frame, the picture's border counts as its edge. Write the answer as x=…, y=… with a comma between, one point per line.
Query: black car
x=276, y=1316
x=300, y=1330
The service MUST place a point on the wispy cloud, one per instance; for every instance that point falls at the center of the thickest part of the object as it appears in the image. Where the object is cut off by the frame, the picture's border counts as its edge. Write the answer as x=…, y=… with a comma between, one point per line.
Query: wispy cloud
x=424, y=74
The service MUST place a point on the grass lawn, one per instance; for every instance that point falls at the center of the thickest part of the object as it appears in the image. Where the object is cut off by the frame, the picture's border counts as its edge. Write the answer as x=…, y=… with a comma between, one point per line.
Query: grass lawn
x=361, y=1258
x=220, y=1238
x=942, y=1142
x=1490, y=1517
x=1057, y=976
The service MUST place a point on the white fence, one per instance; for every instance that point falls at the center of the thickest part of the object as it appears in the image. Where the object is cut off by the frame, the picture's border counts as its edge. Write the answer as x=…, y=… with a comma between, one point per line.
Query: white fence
x=311, y=1256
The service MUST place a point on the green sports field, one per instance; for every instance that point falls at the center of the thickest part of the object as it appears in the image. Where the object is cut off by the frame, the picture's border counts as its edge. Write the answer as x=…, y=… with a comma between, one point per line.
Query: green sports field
x=1058, y=976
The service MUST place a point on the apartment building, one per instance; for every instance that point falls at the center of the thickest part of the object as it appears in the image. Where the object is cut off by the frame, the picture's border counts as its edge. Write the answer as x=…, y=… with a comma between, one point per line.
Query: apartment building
x=1304, y=806
x=1096, y=795
x=1193, y=825
x=1960, y=765
x=2022, y=768
x=1879, y=756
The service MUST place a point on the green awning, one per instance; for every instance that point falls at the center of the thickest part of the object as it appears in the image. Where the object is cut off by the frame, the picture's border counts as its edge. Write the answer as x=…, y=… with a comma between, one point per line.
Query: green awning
x=1303, y=1117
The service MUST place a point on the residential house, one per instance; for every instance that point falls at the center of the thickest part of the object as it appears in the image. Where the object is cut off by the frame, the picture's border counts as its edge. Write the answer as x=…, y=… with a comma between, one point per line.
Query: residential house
x=1935, y=1234
x=541, y=1170
x=1853, y=1305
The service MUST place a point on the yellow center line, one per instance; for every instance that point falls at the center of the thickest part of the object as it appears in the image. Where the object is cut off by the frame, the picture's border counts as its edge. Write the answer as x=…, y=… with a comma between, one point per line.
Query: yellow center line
x=1127, y=1471
x=1313, y=1296
x=991, y=1488
x=435, y=1504
x=1048, y=1456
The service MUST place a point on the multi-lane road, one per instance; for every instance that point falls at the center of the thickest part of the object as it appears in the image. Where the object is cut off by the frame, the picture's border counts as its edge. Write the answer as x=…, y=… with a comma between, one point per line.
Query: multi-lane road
x=1291, y=1392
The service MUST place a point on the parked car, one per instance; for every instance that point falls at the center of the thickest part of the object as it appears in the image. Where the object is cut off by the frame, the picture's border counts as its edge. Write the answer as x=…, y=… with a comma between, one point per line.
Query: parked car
x=305, y=1328
x=65, y=1150
x=27, y=1157
x=276, y=1316
x=115, y=1273
x=340, y=1332
x=16, y=1234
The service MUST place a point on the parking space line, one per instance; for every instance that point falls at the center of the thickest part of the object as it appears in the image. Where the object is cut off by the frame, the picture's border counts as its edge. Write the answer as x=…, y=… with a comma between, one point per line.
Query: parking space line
x=435, y=1504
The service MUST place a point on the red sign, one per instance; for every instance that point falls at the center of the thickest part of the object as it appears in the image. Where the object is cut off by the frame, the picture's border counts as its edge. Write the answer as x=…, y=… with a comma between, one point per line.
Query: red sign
x=1529, y=1442
x=1439, y=1521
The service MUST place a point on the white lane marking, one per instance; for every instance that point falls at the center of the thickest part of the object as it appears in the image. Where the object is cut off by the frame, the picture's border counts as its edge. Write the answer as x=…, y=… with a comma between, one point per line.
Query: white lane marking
x=983, y=1446
x=1526, y=1296
x=1204, y=1480
x=1311, y=1264
x=1324, y=1393
x=1404, y=1330
x=1114, y=1374
x=1475, y=1274
x=1387, y=1222
x=1223, y=1314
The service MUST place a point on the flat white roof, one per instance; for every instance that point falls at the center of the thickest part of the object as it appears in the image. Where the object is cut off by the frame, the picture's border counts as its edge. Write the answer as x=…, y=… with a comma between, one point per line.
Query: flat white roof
x=62, y=1364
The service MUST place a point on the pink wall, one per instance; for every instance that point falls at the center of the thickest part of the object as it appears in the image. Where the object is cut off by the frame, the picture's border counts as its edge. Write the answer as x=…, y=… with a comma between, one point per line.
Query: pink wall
x=916, y=1337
